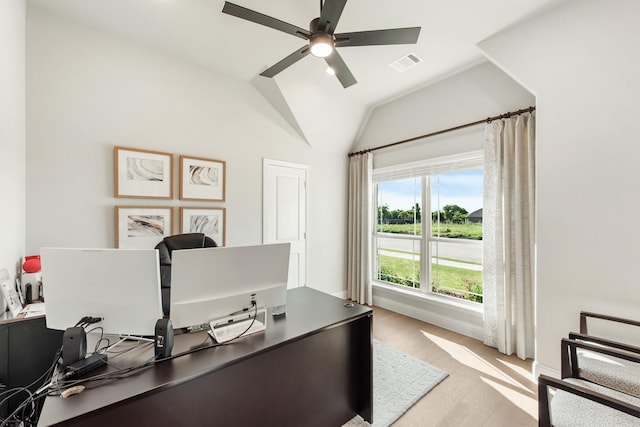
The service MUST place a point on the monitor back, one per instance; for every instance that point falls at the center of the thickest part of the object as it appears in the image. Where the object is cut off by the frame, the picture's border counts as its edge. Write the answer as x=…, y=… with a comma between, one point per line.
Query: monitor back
x=120, y=285
x=212, y=283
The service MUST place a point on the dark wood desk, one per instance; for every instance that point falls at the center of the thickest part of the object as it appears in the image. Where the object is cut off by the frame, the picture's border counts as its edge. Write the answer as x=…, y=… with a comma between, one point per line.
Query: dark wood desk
x=310, y=368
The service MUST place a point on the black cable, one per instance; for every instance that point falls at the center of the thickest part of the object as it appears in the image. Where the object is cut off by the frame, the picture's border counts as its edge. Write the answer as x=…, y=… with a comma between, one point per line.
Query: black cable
x=96, y=348
x=46, y=376
x=253, y=320
x=62, y=383
x=48, y=372
x=35, y=398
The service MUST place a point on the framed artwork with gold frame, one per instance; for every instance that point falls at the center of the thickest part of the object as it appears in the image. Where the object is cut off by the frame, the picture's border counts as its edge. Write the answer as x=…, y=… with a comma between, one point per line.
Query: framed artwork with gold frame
x=210, y=221
x=142, y=173
x=202, y=179
x=142, y=227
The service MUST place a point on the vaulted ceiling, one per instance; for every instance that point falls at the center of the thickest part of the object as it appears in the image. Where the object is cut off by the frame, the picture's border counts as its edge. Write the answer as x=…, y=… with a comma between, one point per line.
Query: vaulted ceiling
x=308, y=97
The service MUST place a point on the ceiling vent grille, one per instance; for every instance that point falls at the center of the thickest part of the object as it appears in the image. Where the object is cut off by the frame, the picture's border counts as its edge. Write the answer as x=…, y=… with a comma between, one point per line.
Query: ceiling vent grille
x=410, y=60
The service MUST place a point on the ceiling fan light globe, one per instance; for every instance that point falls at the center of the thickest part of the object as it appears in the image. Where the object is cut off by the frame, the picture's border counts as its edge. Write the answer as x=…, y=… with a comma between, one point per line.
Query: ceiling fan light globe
x=321, y=45
x=321, y=50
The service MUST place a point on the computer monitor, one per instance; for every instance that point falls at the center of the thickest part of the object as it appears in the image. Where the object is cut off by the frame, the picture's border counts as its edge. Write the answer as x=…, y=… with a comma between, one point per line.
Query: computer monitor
x=213, y=283
x=121, y=286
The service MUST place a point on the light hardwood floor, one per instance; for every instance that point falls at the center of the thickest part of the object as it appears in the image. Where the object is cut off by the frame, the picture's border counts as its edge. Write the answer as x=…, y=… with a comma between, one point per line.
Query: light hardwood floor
x=484, y=387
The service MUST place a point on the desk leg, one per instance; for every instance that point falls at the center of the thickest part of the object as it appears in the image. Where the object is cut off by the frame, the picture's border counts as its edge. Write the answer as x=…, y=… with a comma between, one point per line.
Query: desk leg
x=362, y=369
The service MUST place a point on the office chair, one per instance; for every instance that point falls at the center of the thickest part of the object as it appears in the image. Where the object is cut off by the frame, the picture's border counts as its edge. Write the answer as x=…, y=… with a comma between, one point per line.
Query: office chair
x=170, y=244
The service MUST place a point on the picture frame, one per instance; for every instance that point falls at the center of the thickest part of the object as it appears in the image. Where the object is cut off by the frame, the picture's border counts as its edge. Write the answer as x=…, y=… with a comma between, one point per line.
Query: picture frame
x=142, y=227
x=202, y=179
x=210, y=221
x=8, y=293
x=142, y=173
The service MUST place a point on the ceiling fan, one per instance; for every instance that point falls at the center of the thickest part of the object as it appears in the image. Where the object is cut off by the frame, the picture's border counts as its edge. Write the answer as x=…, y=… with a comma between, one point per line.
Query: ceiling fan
x=322, y=39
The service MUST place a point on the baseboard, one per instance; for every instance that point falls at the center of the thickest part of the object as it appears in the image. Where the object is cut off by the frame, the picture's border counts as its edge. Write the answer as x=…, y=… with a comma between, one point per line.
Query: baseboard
x=340, y=294
x=538, y=369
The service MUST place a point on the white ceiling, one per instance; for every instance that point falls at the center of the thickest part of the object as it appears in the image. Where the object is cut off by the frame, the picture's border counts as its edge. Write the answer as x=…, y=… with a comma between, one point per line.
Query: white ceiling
x=197, y=31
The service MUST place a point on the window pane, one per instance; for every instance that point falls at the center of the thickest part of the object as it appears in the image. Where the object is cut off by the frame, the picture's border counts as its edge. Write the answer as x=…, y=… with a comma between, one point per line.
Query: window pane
x=456, y=269
x=398, y=206
x=398, y=228
x=456, y=204
x=398, y=261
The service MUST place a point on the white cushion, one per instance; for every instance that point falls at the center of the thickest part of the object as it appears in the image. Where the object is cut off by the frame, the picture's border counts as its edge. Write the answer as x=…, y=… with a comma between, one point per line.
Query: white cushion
x=570, y=410
x=609, y=371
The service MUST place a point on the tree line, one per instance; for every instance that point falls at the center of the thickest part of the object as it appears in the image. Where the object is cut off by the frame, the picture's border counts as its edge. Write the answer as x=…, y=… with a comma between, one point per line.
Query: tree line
x=449, y=214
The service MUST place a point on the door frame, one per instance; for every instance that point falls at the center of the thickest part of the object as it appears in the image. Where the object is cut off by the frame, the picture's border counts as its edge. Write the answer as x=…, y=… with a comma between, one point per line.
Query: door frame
x=266, y=162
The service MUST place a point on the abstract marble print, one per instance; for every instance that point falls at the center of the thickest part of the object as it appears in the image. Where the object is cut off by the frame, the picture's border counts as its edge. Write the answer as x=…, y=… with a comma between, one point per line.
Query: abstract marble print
x=207, y=224
x=144, y=169
x=202, y=175
x=145, y=225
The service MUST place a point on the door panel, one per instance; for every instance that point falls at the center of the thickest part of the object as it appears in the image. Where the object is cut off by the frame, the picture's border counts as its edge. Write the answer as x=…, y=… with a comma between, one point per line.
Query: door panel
x=285, y=213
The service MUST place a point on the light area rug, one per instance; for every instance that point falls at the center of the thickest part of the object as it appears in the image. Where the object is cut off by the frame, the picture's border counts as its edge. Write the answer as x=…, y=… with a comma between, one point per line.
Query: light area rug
x=399, y=381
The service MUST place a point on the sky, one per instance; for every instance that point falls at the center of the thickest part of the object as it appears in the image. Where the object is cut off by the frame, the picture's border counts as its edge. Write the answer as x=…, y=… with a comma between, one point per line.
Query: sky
x=457, y=188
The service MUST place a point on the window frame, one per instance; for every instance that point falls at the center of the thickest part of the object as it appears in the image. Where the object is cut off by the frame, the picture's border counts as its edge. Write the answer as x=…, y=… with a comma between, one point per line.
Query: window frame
x=424, y=170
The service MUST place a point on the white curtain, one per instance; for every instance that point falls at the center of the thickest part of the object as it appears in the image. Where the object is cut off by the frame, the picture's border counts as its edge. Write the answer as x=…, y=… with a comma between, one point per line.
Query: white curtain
x=359, y=229
x=508, y=230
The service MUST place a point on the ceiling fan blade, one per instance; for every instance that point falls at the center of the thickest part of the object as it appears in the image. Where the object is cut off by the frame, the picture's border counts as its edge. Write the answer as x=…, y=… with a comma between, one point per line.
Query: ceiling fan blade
x=286, y=62
x=343, y=74
x=378, y=37
x=331, y=11
x=267, y=21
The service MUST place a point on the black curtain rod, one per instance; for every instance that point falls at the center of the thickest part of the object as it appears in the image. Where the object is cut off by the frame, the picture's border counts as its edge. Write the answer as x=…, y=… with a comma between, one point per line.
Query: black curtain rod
x=440, y=132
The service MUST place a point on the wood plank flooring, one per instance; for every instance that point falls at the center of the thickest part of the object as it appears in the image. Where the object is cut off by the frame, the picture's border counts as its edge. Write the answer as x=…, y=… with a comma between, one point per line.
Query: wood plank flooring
x=484, y=387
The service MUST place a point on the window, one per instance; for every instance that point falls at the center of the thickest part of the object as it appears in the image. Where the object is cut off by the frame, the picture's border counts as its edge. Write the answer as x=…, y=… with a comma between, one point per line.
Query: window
x=438, y=252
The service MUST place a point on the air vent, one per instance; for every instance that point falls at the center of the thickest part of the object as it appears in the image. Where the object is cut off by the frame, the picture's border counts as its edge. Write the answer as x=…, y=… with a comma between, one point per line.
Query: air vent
x=408, y=61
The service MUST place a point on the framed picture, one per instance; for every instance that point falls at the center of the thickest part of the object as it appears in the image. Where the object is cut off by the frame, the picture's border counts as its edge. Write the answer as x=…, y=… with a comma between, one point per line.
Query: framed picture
x=143, y=173
x=142, y=227
x=8, y=293
x=202, y=179
x=210, y=221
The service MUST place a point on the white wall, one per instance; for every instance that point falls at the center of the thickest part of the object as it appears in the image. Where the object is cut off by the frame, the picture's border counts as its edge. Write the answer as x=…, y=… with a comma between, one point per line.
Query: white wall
x=581, y=61
x=12, y=133
x=474, y=94
x=477, y=93
x=88, y=91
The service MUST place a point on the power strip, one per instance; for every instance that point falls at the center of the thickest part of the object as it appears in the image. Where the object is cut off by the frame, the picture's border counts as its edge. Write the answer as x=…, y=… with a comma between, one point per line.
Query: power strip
x=84, y=366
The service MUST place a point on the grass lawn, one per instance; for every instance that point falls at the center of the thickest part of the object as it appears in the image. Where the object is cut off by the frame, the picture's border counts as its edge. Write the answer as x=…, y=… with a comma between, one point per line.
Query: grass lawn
x=449, y=279
x=403, y=271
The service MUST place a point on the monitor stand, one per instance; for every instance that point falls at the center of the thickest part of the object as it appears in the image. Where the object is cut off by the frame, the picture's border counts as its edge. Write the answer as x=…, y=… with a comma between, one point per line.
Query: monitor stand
x=240, y=325
x=123, y=337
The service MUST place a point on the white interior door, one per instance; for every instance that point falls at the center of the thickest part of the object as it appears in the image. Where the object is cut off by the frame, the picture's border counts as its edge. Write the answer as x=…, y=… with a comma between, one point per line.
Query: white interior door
x=284, y=213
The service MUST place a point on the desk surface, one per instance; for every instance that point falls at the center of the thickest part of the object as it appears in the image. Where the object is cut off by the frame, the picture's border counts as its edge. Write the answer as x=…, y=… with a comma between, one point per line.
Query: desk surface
x=308, y=312
x=7, y=317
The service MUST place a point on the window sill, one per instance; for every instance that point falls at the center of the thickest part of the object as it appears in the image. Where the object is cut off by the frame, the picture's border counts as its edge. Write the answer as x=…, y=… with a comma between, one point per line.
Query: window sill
x=462, y=317
x=438, y=299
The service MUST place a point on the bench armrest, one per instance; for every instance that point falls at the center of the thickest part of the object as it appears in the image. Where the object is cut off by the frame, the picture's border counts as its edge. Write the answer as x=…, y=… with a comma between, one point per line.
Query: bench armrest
x=584, y=315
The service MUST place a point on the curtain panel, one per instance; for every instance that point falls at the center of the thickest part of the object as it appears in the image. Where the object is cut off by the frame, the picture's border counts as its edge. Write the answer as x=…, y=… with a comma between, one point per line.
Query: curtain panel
x=359, y=239
x=508, y=233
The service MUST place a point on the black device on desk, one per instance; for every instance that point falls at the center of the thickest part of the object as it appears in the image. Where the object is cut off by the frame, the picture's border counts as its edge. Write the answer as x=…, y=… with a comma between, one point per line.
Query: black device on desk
x=74, y=345
x=28, y=296
x=163, y=339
